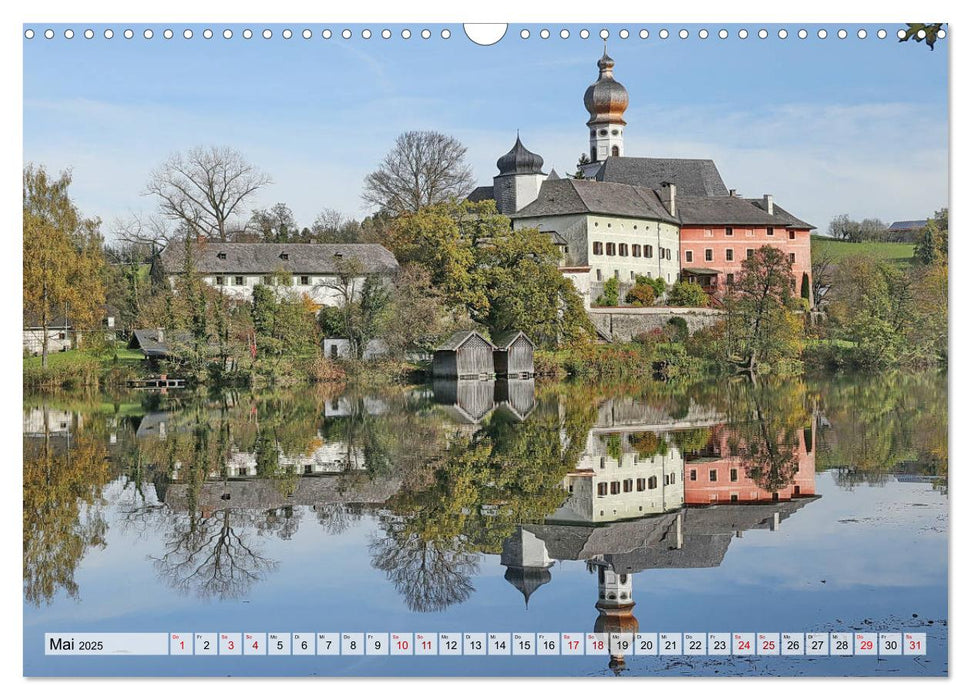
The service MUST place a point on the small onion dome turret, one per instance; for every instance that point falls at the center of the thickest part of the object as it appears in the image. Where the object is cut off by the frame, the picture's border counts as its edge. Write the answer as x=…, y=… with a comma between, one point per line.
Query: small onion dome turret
x=606, y=99
x=520, y=161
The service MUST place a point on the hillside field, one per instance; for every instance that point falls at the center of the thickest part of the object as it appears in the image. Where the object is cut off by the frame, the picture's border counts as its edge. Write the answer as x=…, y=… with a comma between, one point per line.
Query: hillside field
x=898, y=253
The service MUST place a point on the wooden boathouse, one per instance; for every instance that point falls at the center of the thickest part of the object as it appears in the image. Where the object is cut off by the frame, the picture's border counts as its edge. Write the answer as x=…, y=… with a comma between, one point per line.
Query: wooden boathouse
x=466, y=354
x=513, y=354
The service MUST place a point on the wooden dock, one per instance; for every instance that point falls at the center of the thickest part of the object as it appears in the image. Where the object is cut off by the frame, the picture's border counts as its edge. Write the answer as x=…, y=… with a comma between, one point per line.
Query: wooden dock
x=160, y=382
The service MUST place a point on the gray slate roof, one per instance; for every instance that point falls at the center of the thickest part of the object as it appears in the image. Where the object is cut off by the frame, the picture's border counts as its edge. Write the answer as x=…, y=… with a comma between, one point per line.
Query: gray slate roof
x=480, y=194
x=646, y=543
x=569, y=196
x=146, y=340
x=907, y=225
x=264, y=258
x=694, y=177
x=733, y=211
x=504, y=339
x=457, y=339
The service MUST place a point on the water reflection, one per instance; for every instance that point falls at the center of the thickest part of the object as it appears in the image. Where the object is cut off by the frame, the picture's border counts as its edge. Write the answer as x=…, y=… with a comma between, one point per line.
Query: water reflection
x=624, y=479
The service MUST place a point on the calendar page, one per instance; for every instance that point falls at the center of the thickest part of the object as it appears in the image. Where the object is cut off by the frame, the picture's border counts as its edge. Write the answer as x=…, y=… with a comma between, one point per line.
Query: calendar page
x=544, y=349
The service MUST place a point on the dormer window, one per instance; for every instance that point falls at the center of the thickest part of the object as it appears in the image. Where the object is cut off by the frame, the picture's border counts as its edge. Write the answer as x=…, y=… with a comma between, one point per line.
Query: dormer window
x=221, y=255
x=284, y=256
x=338, y=255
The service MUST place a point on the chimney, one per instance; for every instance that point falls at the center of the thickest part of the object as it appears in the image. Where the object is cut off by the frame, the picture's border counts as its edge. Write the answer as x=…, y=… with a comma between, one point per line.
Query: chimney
x=767, y=199
x=669, y=196
x=160, y=332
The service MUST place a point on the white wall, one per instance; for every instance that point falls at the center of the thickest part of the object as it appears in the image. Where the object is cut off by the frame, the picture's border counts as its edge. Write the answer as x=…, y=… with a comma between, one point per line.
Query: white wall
x=34, y=341
x=596, y=467
x=320, y=288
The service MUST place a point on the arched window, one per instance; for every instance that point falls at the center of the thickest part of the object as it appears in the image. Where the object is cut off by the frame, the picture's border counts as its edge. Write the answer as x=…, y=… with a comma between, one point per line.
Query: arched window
x=615, y=150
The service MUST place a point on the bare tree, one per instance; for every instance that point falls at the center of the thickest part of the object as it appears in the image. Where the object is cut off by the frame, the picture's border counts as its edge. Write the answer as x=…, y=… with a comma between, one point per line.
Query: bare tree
x=822, y=276
x=423, y=167
x=139, y=229
x=204, y=188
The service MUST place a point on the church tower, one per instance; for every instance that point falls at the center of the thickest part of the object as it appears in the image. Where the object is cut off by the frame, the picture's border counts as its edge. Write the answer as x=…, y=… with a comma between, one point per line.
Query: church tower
x=606, y=101
x=615, y=604
x=519, y=179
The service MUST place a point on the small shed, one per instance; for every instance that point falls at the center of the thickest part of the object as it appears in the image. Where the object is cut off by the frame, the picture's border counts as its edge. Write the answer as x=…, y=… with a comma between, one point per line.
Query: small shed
x=513, y=354
x=467, y=401
x=516, y=395
x=466, y=354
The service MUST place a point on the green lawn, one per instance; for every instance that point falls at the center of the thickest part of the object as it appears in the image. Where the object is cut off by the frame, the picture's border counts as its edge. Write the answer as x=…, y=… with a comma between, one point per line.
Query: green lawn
x=897, y=253
x=58, y=359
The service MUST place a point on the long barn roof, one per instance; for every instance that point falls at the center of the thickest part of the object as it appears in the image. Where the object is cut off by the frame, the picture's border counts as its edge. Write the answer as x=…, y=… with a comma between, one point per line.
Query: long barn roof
x=267, y=258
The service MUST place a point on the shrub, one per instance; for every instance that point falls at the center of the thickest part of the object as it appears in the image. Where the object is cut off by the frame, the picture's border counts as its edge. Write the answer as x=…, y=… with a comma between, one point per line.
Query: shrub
x=610, y=295
x=678, y=328
x=323, y=369
x=687, y=294
x=656, y=283
x=545, y=364
x=640, y=295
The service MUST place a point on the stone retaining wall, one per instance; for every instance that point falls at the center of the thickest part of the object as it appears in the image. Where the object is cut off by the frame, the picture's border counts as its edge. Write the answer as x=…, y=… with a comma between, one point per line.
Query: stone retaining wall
x=623, y=323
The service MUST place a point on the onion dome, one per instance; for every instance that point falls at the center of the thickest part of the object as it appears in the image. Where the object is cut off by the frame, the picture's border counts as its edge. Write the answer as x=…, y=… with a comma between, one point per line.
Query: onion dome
x=616, y=617
x=527, y=579
x=520, y=161
x=606, y=99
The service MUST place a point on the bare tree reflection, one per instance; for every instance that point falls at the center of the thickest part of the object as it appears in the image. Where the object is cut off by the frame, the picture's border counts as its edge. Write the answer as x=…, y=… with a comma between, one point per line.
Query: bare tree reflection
x=206, y=555
x=282, y=522
x=335, y=518
x=430, y=575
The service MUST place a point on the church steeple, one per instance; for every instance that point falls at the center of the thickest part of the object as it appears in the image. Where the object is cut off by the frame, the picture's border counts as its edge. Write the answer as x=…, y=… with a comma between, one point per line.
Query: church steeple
x=519, y=179
x=606, y=101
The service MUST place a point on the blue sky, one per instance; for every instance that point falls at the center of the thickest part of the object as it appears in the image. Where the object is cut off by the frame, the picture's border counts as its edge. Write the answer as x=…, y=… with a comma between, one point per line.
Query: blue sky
x=827, y=126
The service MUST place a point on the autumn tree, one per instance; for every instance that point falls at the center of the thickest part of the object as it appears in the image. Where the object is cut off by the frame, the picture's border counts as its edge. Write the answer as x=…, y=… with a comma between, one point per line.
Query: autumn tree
x=63, y=260
x=761, y=327
x=62, y=519
x=204, y=190
x=418, y=318
x=422, y=168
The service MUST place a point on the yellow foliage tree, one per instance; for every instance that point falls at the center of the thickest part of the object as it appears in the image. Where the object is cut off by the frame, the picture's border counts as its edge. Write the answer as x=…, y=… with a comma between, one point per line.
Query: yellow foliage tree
x=63, y=260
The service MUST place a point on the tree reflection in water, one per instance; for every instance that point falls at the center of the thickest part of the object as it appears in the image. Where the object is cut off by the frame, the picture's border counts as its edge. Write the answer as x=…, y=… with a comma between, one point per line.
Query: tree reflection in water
x=430, y=574
x=209, y=554
x=64, y=473
x=441, y=494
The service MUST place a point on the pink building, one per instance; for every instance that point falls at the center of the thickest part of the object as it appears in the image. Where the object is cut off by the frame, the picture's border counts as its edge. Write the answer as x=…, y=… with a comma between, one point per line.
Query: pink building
x=719, y=233
x=713, y=475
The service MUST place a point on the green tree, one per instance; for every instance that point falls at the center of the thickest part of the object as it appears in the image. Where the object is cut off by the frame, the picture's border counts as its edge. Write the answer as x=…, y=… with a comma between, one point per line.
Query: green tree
x=63, y=261
x=687, y=294
x=486, y=271
x=932, y=244
x=761, y=328
x=610, y=296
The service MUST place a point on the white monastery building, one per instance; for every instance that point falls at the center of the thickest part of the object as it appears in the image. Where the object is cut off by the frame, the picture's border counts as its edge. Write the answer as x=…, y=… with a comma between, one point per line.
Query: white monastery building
x=622, y=216
x=310, y=269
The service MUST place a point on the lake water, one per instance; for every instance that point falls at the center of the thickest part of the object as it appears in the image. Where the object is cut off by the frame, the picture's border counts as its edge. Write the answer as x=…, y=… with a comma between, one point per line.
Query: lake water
x=732, y=506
